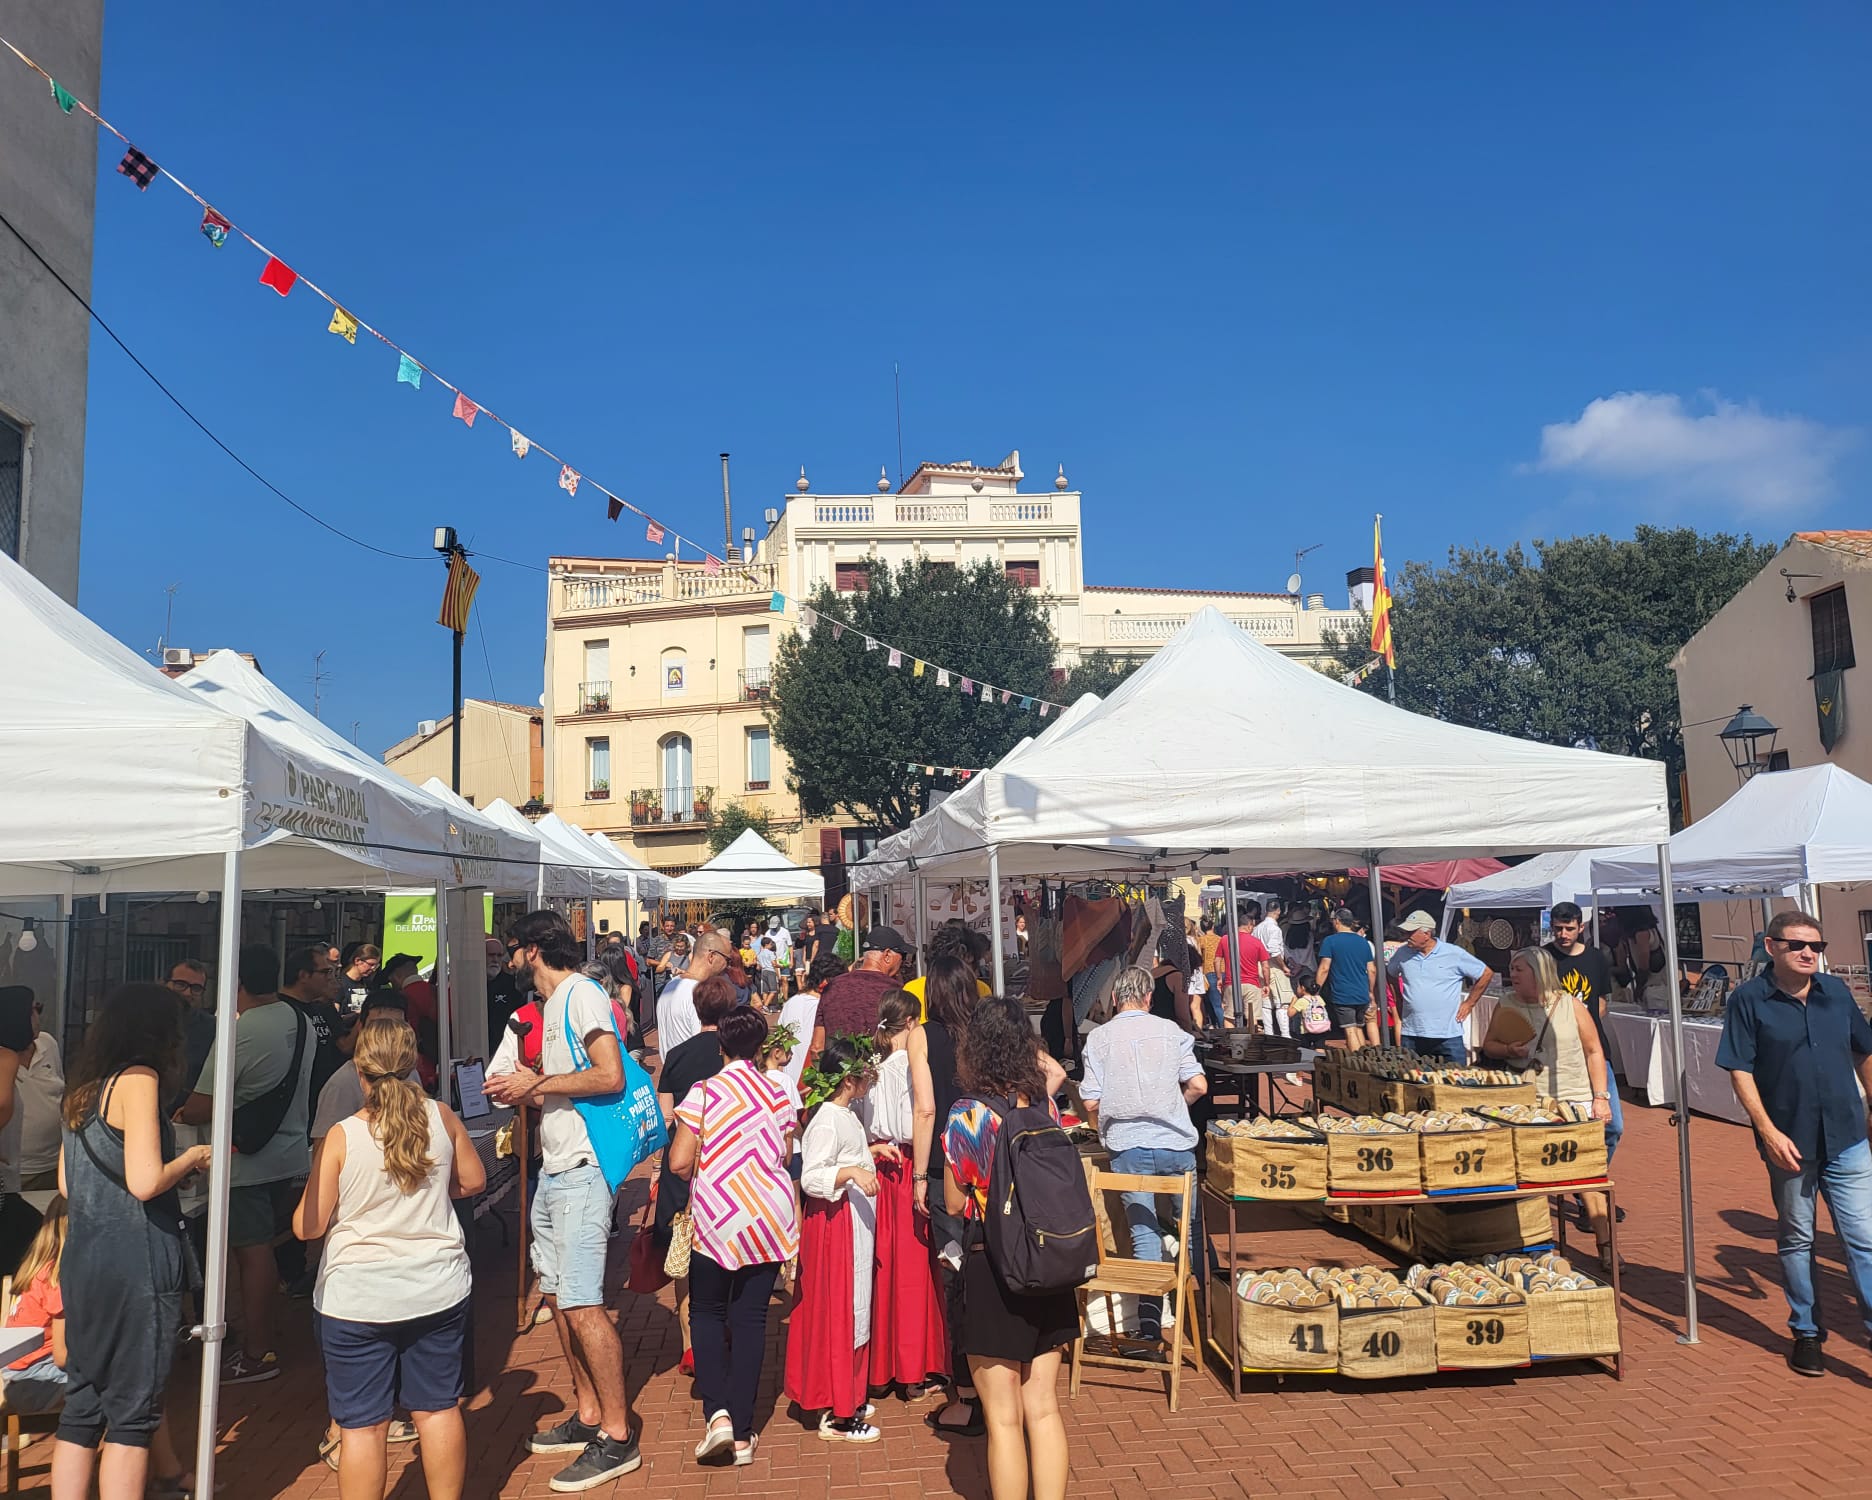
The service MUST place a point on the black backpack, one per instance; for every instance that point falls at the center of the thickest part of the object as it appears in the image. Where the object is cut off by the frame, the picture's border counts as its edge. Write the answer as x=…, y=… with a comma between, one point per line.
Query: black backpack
x=1039, y=1228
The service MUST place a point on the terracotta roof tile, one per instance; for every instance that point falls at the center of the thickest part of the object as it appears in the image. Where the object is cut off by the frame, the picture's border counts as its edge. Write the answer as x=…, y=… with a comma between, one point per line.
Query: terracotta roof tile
x=1858, y=543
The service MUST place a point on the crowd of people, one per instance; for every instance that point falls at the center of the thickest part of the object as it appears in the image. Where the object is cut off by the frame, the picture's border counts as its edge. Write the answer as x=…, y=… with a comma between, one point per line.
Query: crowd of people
x=832, y=1139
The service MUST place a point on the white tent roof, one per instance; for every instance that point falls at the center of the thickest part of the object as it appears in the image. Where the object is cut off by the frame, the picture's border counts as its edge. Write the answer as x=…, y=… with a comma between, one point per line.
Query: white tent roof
x=515, y=854
x=749, y=869
x=1545, y=880
x=1782, y=829
x=566, y=868
x=952, y=829
x=113, y=777
x=644, y=882
x=1290, y=770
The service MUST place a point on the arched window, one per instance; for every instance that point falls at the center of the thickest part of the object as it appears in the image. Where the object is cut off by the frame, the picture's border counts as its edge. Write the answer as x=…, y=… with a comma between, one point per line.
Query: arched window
x=678, y=775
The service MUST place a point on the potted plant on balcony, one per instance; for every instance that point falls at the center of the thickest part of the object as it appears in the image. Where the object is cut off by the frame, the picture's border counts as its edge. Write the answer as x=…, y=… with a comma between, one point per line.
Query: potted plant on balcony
x=702, y=797
x=600, y=790
x=598, y=702
x=640, y=807
x=654, y=812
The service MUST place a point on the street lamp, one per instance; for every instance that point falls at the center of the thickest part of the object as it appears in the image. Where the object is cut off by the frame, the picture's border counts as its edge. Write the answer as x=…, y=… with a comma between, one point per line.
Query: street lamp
x=1749, y=741
x=449, y=549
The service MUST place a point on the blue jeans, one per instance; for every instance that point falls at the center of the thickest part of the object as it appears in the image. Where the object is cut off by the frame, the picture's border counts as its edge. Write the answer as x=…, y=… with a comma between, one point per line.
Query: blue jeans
x=1846, y=1184
x=1146, y=1236
x=1615, y=1127
x=1452, y=1049
x=1212, y=1003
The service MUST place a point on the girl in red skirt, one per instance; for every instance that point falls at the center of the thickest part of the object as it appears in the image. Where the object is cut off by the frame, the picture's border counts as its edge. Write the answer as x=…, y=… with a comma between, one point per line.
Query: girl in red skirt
x=909, y=1344
x=828, y=1344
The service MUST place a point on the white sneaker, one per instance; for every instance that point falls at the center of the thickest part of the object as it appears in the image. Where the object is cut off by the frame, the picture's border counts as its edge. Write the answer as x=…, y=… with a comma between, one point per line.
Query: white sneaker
x=745, y=1456
x=719, y=1434
x=858, y=1430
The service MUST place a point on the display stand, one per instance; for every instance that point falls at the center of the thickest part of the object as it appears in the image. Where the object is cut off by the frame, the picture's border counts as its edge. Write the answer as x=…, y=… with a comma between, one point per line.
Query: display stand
x=1243, y=1076
x=1221, y=1209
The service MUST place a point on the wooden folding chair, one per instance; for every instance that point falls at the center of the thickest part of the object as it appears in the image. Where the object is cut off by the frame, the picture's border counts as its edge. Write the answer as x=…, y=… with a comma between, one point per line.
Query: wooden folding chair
x=17, y=1425
x=1144, y=1278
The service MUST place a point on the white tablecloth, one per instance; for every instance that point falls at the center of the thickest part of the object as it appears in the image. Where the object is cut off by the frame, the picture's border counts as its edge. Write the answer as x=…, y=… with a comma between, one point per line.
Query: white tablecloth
x=1641, y=1044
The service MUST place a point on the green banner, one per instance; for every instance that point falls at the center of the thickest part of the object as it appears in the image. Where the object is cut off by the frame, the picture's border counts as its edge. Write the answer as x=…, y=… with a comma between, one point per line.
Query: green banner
x=410, y=924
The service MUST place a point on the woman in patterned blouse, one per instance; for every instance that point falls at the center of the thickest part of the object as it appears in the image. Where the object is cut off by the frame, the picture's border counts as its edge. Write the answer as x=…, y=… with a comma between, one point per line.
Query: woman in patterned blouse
x=731, y=1142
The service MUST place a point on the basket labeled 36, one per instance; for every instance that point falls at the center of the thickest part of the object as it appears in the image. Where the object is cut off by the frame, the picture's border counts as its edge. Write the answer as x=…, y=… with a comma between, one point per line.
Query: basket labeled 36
x=1040, y=1232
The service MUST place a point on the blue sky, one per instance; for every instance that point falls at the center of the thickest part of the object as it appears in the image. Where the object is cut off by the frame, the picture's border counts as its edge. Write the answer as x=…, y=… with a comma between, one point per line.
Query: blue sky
x=1250, y=273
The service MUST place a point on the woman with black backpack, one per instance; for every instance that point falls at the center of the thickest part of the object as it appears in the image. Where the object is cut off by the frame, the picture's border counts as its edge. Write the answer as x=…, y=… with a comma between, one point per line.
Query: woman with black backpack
x=1014, y=1341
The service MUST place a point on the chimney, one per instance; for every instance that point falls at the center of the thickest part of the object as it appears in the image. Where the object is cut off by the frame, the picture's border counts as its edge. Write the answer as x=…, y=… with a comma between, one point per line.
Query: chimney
x=1361, y=585
x=1316, y=601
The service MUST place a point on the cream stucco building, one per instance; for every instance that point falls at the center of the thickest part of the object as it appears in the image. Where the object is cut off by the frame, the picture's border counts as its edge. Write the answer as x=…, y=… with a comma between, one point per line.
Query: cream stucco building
x=657, y=672
x=503, y=752
x=1790, y=624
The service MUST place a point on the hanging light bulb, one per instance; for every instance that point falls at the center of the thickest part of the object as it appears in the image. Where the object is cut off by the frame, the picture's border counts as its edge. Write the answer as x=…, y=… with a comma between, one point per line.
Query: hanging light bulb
x=317, y=905
x=201, y=898
x=29, y=939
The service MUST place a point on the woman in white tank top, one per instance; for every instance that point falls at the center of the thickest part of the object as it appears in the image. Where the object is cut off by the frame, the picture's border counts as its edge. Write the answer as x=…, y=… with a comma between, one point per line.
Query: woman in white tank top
x=393, y=1287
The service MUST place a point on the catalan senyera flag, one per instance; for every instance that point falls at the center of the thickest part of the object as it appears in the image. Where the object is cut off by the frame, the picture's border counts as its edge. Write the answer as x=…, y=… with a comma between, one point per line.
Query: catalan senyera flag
x=1381, y=642
x=458, y=597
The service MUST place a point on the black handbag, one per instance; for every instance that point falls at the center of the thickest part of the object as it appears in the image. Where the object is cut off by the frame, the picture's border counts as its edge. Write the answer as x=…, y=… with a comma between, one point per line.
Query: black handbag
x=258, y=1120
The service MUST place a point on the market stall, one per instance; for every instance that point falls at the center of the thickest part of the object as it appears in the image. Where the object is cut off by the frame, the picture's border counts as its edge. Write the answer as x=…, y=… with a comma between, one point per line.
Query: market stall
x=1641, y=1046
x=749, y=869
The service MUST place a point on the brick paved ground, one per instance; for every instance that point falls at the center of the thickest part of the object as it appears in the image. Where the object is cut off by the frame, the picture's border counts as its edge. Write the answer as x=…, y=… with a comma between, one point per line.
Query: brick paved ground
x=1724, y=1418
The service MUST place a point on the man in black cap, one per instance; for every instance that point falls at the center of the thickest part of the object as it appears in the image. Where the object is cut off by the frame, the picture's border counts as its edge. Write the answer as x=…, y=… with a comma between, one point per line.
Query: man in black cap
x=849, y=1004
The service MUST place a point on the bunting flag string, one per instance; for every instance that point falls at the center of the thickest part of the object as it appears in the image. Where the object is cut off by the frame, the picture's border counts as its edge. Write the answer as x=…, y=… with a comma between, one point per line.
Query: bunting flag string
x=217, y=228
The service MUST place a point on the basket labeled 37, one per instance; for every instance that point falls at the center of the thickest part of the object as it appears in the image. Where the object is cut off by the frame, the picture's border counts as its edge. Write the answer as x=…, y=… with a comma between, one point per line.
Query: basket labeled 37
x=1040, y=1232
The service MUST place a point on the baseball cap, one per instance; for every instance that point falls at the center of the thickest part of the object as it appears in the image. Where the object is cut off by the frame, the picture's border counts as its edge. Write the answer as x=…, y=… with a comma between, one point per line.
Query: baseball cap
x=1418, y=921
x=886, y=939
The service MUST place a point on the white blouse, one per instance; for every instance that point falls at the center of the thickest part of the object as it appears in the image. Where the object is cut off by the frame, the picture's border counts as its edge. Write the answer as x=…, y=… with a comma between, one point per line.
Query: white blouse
x=887, y=1111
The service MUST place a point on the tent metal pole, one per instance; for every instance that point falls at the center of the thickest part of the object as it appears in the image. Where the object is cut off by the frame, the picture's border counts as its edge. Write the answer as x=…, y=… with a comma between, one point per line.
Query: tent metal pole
x=445, y=998
x=62, y=996
x=1595, y=916
x=922, y=925
x=212, y=1330
x=1234, y=942
x=994, y=918
x=1375, y=886
x=1681, y=1084
x=591, y=932
x=1810, y=903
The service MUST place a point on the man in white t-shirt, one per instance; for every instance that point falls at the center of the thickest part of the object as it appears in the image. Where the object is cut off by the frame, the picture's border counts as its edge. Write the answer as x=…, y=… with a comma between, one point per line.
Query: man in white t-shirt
x=783, y=947
x=1277, y=1004
x=676, y=1012
x=572, y=1209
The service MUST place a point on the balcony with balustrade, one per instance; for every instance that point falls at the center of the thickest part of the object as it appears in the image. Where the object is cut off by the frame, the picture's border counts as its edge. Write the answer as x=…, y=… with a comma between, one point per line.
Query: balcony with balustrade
x=756, y=684
x=889, y=513
x=603, y=588
x=671, y=806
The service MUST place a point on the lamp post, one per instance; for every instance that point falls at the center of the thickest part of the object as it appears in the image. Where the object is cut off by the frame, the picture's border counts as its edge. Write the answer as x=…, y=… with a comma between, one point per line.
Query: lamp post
x=448, y=548
x=1749, y=741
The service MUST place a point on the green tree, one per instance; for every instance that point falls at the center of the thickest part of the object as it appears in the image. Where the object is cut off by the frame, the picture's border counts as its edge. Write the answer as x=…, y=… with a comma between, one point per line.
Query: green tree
x=730, y=822
x=1569, y=641
x=850, y=724
x=1099, y=673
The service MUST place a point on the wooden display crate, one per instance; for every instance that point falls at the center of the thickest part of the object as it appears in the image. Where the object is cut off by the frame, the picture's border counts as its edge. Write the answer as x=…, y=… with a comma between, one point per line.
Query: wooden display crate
x=1467, y=1159
x=1245, y=1166
x=1463, y=1231
x=1573, y=1325
x=1451, y=1097
x=1385, y=1343
x=1482, y=1338
x=1382, y=1163
x=1276, y=1340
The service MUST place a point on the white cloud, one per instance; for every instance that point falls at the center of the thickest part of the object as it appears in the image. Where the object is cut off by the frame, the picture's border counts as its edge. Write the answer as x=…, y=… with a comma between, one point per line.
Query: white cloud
x=1740, y=454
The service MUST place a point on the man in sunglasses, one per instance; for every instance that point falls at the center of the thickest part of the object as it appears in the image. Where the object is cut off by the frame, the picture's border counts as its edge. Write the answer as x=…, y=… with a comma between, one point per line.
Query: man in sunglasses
x=1793, y=1041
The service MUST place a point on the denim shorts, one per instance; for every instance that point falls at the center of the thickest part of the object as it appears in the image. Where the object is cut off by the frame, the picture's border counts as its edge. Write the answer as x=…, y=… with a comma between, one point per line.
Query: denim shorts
x=40, y=1387
x=571, y=1235
x=372, y=1368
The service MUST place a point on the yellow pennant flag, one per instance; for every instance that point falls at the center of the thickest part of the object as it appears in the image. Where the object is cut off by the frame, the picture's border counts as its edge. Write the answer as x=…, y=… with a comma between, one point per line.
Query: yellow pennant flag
x=343, y=324
x=917, y=671
x=1381, y=642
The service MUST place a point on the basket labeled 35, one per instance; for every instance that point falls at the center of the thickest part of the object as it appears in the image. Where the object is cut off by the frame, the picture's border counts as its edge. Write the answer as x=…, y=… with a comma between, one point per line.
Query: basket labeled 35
x=1040, y=1232
x=1267, y=1158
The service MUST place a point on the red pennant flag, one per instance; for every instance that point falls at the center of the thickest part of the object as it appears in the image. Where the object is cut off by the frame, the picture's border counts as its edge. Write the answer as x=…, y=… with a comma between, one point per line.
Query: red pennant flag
x=278, y=275
x=653, y=533
x=614, y=508
x=466, y=409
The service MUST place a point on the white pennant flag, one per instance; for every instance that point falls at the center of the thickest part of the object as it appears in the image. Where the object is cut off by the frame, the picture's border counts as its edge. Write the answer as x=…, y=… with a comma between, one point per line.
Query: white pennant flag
x=870, y=645
x=942, y=677
x=521, y=444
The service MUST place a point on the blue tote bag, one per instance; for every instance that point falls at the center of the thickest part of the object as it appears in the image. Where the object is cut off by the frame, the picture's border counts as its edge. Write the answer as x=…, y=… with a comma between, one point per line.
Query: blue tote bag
x=626, y=1127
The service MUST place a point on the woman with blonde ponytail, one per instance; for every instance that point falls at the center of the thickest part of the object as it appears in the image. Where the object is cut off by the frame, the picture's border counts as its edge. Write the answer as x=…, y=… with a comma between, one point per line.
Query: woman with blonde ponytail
x=393, y=1288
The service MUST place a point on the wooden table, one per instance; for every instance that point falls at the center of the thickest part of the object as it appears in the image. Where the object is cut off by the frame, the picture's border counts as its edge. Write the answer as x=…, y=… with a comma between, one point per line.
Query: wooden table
x=1245, y=1074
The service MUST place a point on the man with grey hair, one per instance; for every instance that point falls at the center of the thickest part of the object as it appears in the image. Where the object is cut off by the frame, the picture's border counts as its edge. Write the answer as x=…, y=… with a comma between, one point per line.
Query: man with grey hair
x=1141, y=1076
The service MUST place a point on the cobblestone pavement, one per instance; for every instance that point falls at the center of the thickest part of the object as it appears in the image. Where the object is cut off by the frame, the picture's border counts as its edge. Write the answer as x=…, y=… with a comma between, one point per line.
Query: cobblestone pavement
x=1726, y=1417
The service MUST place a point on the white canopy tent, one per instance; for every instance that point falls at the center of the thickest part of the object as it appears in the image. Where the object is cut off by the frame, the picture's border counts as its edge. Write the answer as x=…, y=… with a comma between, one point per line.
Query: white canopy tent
x=1782, y=831
x=646, y=884
x=567, y=869
x=1293, y=771
x=1543, y=881
x=749, y=869
x=114, y=778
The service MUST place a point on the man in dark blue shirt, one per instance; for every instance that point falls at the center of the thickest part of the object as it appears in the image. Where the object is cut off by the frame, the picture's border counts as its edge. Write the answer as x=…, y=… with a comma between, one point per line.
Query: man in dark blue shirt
x=1792, y=1042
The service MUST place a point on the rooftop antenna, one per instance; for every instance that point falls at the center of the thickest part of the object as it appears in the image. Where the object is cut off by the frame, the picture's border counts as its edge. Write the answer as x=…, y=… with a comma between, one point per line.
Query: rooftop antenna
x=355, y=725
x=1293, y=583
x=897, y=383
x=319, y=677
x=168, y=618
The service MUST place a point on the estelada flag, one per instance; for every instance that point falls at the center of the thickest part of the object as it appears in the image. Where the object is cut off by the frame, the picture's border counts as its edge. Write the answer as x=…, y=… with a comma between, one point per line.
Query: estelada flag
x=1381, y=642
x=458, y=597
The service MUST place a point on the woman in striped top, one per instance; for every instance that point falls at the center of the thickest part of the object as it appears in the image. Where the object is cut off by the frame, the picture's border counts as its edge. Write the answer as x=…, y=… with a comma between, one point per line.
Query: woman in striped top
x=731, y=1143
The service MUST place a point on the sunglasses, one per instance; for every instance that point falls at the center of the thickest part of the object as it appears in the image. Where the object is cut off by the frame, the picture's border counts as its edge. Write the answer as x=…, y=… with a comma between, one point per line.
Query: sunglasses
x=1803, y=945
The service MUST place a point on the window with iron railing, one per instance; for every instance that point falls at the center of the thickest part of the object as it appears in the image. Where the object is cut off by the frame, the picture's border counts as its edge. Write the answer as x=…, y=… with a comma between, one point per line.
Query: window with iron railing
x=756, y=684
x=595, y=697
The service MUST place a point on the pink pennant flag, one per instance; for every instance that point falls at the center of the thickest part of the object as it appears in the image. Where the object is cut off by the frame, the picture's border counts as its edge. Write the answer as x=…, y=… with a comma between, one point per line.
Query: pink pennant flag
x=568, y=479
x=1007, y=695
x=896, y=657
x=967, y=686
x=466, y=409
x=838, y=631
x=653, y=533
x=1045, y=709
x=711, y=565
